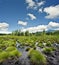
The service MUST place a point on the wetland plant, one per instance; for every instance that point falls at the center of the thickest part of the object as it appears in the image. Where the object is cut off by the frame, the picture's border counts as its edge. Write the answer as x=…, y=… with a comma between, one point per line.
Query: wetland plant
x=36, y=57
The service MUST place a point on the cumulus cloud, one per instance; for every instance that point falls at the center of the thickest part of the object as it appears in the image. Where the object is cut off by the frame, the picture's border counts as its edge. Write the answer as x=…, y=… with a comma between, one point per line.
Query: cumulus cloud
x=53, y=24
x=41, y=10
x=31, y=16
x=52, y=12
x=41, y=3
x=5, y=32
x=4, y=26
x=40, y=28
x=22, y=23
x=30, y=3
x=34, y=5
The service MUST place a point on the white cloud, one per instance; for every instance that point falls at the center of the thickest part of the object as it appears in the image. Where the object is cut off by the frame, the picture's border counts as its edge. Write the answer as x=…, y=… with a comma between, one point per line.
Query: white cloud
x=41, y=10
x=41, y=3
x=4, y=26
x=52, y=11
x=30, y=3
x=40, y=28
x=22, y=23
x=31, y=16
x=53, y=24
x=34, y=5
x=5, y=32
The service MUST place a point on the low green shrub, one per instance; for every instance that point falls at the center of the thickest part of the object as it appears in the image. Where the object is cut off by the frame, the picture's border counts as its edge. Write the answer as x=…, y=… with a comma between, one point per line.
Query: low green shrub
x=41, y=45
x=11, y=48
x=48, y=50
x=3, y=55
x=15, y=53
x=49, y=44
x=36, y=57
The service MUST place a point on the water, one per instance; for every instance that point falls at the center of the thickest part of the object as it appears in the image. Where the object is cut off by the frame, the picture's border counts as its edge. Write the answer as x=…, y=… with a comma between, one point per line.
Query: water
x=24, y=58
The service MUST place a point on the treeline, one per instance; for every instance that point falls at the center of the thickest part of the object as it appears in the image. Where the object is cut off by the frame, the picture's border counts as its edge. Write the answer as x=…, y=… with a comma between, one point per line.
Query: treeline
x=53, y=33
x=19, y=33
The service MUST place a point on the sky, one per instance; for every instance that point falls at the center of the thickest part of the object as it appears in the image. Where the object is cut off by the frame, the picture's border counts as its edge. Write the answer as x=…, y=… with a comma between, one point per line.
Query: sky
x=31, y=15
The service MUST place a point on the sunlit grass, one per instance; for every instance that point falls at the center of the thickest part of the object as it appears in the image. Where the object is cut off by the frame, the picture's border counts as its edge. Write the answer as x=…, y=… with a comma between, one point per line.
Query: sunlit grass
x=36, y=57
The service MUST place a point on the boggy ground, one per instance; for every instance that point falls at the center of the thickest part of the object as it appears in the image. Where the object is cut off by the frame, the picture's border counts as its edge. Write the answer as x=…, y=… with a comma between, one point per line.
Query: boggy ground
x=52, y=59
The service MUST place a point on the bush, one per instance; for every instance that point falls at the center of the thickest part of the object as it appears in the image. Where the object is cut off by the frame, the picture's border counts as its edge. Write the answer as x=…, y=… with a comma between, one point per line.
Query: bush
x=11, y=48
x=2, y=46
x=41, y=45
x=3, y=55
x=15, y=53
x=49, y=44
x=48, y=50
x=36, y=57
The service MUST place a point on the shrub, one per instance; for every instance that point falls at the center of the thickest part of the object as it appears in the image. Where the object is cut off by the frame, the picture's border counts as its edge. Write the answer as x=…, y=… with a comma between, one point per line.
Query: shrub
x=36, y=57
x=3, y=55
x=41, y=45
x=15, y=53
x=49, y=44
x=48, y=50
x=11, y=48
x=2, y=46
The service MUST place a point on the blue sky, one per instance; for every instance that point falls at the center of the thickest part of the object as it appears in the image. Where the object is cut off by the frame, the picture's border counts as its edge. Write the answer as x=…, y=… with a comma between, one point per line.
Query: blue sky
x=32, y=15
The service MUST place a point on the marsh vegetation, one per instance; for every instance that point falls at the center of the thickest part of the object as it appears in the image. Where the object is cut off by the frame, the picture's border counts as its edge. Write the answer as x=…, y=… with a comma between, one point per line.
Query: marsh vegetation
x=29, y=49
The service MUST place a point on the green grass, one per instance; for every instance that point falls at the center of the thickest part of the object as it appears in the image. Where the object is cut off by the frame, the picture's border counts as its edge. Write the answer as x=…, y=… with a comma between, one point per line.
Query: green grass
x=3, y=55
x=36, y=57
x=11, y=48
x=48, y=50
x=13, y=51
